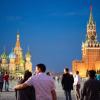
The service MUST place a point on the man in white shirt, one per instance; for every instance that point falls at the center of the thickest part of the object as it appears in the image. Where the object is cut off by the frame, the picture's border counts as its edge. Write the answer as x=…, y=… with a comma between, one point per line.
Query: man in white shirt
x=43, y=84
x=77, y=82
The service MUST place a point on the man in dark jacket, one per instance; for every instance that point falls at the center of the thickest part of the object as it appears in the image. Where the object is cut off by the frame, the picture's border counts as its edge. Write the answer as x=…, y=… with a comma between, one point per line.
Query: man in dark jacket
x=67, y=83
x=91, y=88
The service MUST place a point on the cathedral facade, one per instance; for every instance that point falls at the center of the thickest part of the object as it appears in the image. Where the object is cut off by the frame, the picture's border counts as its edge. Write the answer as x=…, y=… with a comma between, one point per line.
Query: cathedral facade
x=90, y=51
x=15, y=63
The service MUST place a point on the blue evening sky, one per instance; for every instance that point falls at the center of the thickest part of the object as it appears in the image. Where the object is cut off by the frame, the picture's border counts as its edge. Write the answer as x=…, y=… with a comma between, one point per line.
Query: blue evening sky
x=52, y=29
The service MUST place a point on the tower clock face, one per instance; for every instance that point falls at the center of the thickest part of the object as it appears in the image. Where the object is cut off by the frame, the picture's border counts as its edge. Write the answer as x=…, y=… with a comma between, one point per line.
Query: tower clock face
x=92, y=37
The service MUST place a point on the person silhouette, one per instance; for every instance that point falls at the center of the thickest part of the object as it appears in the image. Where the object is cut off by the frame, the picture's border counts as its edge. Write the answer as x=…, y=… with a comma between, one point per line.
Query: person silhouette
x=27, y=93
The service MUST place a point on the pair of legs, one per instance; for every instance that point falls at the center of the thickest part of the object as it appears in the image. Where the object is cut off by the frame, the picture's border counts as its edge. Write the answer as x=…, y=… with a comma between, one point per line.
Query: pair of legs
x=68, y=94
x=1, y=86
x=6, y=86
x=77, y=89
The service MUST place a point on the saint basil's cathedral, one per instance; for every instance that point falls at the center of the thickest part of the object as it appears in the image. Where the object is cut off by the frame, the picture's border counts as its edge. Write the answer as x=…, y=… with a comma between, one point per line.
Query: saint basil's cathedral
x=14, y=63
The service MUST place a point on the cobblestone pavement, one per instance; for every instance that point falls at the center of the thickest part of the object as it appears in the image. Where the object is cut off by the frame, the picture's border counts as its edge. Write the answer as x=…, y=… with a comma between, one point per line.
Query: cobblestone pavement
x=11, y=94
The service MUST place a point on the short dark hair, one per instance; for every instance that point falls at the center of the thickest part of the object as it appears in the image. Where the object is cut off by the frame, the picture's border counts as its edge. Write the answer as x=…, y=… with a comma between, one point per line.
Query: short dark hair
x=77, y=72
x=66, y=69
x=42, y=67
x=92, y=73
x=48, y=73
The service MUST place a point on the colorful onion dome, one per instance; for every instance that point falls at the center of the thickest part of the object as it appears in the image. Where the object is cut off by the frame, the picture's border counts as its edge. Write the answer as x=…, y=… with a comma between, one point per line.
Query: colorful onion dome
x=12, y=55
x=28, y=54
x=4, y=55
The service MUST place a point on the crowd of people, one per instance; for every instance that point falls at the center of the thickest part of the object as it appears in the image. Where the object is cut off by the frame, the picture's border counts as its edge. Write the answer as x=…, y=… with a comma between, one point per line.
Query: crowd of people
x=90, y=89
x=41, y=86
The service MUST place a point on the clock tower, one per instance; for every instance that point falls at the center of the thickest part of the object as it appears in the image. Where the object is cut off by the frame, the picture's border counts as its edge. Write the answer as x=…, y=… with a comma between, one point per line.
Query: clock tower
x=90, y=50
x=91, y=28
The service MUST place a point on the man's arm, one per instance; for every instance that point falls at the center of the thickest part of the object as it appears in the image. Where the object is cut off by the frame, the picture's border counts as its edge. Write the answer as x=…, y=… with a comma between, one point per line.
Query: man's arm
x=54, y=96
x=24, y=85
x=20, y=86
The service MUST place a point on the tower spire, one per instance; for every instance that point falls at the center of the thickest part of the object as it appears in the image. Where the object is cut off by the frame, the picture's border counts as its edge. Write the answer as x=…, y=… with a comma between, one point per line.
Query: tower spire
x=91, y=16
x=91, y=27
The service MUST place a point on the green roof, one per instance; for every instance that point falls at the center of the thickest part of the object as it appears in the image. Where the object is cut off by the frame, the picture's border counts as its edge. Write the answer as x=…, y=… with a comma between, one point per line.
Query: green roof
x=22, y=61
x=4, y=55
x=28, y=54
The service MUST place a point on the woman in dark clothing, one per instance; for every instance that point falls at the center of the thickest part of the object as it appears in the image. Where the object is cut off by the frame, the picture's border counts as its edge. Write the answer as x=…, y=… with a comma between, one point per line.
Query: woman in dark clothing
x=27, y=93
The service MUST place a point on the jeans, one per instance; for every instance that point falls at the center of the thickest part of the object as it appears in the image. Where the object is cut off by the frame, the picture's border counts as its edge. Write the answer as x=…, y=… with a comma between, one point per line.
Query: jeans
x=6, y=86
x=68, y=94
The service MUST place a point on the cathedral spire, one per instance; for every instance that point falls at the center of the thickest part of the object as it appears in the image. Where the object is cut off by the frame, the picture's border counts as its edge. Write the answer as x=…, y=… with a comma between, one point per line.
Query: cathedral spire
x=18, y=36
x=18, y=40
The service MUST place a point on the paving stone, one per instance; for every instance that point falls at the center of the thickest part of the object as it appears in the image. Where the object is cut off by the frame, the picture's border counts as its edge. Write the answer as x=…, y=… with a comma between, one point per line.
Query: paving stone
x=11, y=94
